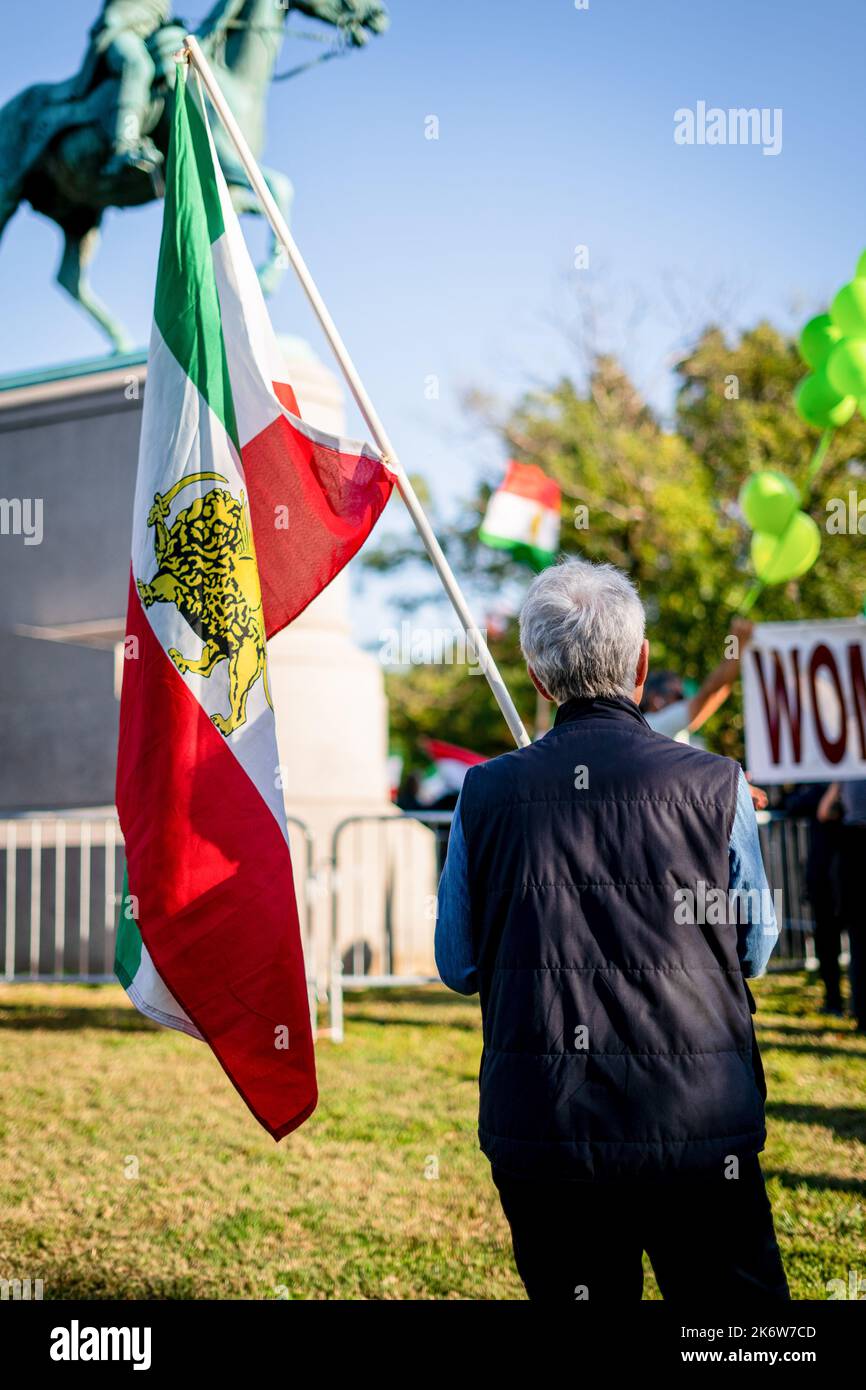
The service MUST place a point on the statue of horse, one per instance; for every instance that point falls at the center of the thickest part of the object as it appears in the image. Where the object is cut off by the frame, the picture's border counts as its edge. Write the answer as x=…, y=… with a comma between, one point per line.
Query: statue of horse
x=55, y=143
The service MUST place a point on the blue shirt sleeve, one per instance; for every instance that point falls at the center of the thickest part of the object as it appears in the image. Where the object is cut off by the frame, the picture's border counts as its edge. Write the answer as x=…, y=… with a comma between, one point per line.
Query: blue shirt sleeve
x=757, y=929
x=453, y=945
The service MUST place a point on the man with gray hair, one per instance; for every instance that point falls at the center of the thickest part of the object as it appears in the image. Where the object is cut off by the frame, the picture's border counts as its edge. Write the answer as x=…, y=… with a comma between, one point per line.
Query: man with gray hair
x=593, y=896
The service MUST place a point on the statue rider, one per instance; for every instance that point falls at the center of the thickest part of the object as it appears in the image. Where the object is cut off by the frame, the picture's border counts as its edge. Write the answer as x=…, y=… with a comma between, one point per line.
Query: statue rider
x=118, y=41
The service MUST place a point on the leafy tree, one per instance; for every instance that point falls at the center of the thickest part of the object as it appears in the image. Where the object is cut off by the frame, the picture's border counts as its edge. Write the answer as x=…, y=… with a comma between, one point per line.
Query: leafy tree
x=660, y=502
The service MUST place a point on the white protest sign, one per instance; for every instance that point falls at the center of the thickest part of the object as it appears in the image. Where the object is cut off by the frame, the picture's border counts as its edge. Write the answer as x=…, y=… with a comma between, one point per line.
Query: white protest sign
x=804, y=698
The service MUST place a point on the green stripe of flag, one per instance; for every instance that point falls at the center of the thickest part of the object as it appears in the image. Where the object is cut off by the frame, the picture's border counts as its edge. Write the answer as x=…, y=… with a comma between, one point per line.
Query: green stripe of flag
x=187, y=310
x=522, y=551
x=127, y=948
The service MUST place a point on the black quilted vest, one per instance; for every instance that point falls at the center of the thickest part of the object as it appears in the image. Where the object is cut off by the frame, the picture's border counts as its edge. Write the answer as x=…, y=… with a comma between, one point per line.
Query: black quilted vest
x=617, y=1042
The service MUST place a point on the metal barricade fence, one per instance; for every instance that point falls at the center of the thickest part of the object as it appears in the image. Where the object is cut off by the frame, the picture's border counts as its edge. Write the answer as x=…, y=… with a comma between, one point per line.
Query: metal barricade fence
x=410, y=889
x=305, y=891
x=785, y=850
x=61, y=877
x=784, y=845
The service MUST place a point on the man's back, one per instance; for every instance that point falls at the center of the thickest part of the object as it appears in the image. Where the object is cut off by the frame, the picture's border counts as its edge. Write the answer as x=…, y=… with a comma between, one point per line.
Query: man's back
x=617, y=1030
x=587, y=896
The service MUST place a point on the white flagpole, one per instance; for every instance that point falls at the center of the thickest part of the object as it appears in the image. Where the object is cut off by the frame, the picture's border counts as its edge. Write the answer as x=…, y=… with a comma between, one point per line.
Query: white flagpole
x=356, y=386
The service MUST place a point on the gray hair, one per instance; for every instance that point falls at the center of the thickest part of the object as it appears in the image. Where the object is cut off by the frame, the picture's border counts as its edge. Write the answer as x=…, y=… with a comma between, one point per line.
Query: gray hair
x=581, y=629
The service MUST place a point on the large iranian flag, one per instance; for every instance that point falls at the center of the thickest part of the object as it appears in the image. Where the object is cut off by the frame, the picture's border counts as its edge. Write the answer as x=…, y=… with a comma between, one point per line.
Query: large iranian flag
x=243, y=514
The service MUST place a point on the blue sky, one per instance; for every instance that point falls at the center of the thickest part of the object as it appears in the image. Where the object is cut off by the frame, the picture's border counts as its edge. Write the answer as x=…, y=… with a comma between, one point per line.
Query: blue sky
x=454, y=257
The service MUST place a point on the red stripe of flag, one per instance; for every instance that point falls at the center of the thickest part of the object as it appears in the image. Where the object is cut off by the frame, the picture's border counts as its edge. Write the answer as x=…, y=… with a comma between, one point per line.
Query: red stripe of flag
x=212, y=873
x=437, y=750
x=312, y=508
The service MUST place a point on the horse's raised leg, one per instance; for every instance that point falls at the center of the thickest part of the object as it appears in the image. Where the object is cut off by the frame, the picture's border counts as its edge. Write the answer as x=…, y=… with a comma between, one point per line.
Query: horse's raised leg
x=244, y=199
x=78, y=252
x=9, y=200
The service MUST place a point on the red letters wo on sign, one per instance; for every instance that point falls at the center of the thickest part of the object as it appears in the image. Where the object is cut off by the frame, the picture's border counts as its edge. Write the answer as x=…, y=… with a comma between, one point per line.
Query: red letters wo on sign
x=805, y=701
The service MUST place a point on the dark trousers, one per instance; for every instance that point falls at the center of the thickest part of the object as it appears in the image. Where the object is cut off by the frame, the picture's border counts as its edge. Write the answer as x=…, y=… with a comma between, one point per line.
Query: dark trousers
x=828, y=943
x=822, y=889
x=852, y=857
x=707, y=1238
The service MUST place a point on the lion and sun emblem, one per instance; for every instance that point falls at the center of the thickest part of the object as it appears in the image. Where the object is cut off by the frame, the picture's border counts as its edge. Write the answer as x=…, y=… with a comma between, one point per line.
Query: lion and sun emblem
x=206, y=567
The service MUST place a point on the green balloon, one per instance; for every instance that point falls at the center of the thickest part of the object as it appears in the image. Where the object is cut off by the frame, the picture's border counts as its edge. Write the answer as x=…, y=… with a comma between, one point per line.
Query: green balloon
x=768, y=500
x=780, y=558
x=819, y=405
x=817, y=341
x=848, y=310
x=846, y=367
x=860, y=272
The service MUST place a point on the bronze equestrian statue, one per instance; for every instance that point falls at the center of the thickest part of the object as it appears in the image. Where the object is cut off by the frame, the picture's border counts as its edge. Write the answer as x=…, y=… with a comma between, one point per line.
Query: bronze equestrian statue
x=72, y=149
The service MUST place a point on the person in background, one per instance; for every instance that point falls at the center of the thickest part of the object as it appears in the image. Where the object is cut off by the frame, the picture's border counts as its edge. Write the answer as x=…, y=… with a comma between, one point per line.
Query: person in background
x=409, y=800
x=822, y=886
x=846, y=801
x=621, y=1087
x=407, y=796
x=668, y=710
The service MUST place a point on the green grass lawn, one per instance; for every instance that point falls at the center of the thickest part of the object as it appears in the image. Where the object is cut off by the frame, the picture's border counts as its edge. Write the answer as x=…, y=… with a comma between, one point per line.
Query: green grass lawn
x=382, y=1194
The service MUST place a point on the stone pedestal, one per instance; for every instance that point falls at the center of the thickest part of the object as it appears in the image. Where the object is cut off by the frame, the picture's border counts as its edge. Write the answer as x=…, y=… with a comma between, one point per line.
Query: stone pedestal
x=69, y=443
x=329, y=696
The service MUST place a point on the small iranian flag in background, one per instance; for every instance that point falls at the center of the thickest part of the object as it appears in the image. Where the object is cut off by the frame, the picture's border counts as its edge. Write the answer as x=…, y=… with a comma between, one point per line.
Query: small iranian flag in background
x=243, y=513
x=523, y=516
x=449, y=764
